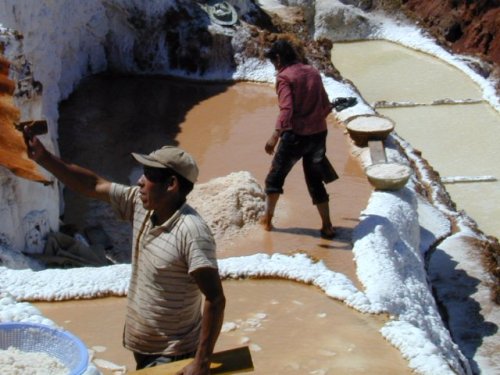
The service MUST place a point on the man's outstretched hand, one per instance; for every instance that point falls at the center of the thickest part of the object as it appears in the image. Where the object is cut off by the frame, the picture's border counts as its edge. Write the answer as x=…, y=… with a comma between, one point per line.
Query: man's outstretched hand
x=35, y=149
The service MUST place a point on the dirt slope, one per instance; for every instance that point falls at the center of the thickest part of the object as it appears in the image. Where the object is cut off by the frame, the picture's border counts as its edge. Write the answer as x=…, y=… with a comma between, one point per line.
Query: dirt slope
x=464, y=26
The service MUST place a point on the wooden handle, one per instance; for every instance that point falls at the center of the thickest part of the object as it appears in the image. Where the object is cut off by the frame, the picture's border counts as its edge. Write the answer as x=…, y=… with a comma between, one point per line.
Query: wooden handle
x=231, y=361
x=37, y=127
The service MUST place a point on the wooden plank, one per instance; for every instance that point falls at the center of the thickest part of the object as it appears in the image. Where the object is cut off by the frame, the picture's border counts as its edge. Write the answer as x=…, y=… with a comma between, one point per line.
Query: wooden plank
x=458, y=179
x=232, y=361
x=37, y=127
x=377, y=152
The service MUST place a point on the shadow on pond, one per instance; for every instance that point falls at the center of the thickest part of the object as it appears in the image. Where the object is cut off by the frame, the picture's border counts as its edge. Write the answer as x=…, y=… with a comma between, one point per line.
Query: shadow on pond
x=105, y=119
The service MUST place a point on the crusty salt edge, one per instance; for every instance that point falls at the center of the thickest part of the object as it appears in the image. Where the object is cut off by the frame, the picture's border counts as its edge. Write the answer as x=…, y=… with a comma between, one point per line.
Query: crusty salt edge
x=300, y=268
x=90, y=282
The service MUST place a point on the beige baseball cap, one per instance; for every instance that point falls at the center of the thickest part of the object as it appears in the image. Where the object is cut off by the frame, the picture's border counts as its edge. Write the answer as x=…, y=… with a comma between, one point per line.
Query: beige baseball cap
x=170, y=157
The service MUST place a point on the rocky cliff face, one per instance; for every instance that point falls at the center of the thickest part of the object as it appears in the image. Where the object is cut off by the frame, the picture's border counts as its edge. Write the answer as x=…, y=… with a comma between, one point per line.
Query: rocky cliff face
x=469, y=27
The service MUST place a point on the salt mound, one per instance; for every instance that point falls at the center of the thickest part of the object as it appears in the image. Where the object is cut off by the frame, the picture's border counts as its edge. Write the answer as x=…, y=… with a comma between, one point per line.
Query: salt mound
x=388, y=176
x=229, y=204
x=14, y=361
x=388, y=171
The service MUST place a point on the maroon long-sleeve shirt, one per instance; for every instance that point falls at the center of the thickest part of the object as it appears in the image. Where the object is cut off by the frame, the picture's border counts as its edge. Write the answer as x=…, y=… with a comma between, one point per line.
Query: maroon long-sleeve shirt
x=302, y=100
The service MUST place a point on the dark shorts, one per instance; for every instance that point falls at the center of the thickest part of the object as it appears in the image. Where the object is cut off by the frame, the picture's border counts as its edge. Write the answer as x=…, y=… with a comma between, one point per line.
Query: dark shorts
x=152, y=360
x=293, y=147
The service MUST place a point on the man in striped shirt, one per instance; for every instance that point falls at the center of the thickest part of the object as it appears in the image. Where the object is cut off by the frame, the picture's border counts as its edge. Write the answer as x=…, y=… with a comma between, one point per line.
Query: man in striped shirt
x=173, y=257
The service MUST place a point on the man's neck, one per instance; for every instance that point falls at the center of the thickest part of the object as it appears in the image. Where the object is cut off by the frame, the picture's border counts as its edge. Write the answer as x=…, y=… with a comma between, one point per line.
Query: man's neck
x=162, y=215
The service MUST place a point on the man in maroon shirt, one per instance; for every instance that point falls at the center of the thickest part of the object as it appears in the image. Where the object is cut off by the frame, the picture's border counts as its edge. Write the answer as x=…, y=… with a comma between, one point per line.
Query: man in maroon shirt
x=301, y=129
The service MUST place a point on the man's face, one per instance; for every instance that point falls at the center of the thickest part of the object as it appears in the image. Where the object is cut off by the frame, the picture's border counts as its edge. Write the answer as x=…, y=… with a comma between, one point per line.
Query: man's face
x=153, y=188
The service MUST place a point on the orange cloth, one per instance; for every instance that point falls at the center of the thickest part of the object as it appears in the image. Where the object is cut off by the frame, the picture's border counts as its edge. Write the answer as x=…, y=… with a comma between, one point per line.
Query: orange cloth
x=12, y=147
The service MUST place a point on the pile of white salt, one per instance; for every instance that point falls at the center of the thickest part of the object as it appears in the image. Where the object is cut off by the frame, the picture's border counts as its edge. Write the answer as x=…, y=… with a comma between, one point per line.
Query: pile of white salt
x=388, y=171
x=17, y=362
x=230, y=204
x=388, y=176
x=370, y=123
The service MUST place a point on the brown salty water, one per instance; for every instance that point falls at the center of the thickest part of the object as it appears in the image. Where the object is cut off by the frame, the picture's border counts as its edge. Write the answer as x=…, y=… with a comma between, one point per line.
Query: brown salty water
x=291, y=328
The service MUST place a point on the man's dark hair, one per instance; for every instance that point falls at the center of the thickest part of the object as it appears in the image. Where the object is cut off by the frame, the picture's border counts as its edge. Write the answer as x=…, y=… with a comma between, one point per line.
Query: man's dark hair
x=185, y=185
x=284, y=50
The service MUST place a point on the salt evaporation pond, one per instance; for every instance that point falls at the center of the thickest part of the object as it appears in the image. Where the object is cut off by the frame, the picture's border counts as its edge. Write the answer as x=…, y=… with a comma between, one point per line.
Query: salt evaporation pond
x=458, y=140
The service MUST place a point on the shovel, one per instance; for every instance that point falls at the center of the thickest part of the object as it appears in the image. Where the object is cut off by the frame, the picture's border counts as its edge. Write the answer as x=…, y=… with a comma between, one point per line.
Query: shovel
x=232, y=361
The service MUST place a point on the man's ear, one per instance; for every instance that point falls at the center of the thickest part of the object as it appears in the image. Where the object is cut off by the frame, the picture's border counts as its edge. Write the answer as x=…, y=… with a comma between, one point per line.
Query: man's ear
x=173, y=183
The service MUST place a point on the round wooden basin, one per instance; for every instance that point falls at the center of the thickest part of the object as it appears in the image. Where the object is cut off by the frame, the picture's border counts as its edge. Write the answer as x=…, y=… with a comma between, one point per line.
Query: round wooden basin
x=388, y=176
x=363, y=128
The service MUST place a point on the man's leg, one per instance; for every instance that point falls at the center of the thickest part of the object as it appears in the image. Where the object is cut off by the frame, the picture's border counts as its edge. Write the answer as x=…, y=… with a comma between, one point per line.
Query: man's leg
x=311, y=164
x=266, y=219
x=288, y=153
x=326, y=230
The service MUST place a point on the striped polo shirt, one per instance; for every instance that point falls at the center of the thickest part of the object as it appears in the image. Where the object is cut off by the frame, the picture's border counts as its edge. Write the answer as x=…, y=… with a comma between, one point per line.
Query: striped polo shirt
x=164, y=302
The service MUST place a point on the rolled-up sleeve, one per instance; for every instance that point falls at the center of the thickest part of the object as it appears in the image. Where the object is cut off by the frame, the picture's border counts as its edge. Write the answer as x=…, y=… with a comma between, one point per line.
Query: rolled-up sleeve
x=123, y=200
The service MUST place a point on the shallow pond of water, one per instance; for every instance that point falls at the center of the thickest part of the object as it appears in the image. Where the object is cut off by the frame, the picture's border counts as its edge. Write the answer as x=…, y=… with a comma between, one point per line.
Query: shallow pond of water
x=383, y=70
x=457, y=140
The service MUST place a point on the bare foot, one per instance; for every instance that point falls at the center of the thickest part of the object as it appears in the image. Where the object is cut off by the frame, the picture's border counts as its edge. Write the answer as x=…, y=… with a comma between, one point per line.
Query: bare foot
x=265, y=221
x=327, y=232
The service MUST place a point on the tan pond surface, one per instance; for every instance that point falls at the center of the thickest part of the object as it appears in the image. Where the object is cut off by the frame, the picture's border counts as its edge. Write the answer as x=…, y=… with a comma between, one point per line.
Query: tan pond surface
x=383, y=70
x=457, y=140
x=291, y=328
